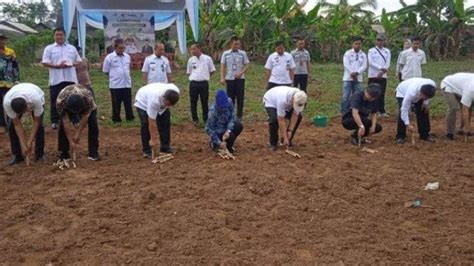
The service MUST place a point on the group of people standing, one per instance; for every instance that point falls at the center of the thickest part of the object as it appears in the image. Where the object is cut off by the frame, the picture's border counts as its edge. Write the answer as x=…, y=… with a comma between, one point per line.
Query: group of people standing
x=360, y=108
x=73, y=106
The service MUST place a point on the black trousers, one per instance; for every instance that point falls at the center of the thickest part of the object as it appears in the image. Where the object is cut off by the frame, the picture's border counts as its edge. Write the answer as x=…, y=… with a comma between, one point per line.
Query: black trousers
x=272, y=85
x=3, y=119
x=349, y=124
x=53, y=96
x=422, y=121
x=163, y=122
x=199, y=89
x=15, y=144
x=238, y=128
x=301, y=81
x=92, y=137
x=381, y=100
x=119, y=96
x=273, y=124
x=236, y=92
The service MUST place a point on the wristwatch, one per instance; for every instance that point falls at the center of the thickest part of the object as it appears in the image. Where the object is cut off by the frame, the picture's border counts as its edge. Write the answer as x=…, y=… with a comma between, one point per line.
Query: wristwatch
x=362, y=126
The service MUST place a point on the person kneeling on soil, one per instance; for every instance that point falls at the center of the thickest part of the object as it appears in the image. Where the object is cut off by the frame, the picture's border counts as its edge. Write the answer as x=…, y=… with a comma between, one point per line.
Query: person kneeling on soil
x=416, y=92
x=284, y=103
x=222, y=126
x=77, y=101
x=152, y=102
x=22, y=98
x=362, y=118
x=458, y=90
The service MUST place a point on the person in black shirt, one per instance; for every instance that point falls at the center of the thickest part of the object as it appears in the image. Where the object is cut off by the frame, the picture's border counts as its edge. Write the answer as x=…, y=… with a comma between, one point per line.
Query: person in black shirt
x=362, y=117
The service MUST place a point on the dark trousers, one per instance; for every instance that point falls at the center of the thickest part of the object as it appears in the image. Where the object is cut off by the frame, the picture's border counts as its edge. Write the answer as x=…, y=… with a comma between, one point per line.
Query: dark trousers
x=199, y=89
x=272, y=85
x=234, y=134
x=301, y=81
x=119, y=96
x=381, y=100
x=349, y=124
x=422, y=121
x=53, y=96
x=236, y=92
x=92, y=137
x=163, y=122
x=15, y=141
x=273, y=124
x=3, y=119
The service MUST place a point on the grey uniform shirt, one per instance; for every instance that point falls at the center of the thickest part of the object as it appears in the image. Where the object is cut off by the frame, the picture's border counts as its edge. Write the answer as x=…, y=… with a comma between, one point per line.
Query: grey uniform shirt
x=234, y=63
x=302, y=59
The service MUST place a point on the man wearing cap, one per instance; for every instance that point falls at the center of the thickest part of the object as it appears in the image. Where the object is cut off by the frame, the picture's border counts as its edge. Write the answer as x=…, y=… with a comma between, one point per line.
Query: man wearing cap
x=398, y=70
x=284, y=103
x=77, y=100
x=222, y=126
x=234, y=64
x=362, y=118
x=153, y=102
x=61, y=59
x=117, y=66
x=200, y=69
x=20, y=99
x=458, y=90
x=415, y=92
x=9, y=75
x=156, y=68
x=303, y=65
x=280, y=67
x=411, y=60
x=355, y=63
x=379, y=63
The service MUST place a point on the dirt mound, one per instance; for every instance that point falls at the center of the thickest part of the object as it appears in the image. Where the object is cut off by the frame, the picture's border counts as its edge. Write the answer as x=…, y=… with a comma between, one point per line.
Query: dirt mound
x=336, y=204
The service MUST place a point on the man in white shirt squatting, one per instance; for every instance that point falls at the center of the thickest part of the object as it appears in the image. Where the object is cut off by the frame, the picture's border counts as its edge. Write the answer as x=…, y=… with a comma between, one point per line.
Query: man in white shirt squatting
x=284, y=103
x=415, y=92
x=153, y=102
x=458, y=91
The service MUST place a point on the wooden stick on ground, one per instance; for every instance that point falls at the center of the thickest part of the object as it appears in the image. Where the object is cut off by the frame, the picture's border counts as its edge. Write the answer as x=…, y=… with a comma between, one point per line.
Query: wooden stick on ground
x=371, y=151
x=412, y=139
x=292, y=153
x=163, y=158
x=465, y=138
x=27, y=160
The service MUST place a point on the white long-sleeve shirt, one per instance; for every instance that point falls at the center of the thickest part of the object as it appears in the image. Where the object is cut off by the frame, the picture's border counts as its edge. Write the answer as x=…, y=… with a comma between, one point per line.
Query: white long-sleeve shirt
x=354, y=62
x=409, y=90
x=379, y=59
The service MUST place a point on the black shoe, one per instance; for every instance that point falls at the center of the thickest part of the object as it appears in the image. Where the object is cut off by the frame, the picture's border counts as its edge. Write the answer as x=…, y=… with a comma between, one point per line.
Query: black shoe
x=167, y=150
x=400, y=141
x=429, y=139
x=95, y=157
x=66, y=156
x=40, y=158
x=195, y=123
x=273, y=148
x=54, y=126
x=146, y=155
x=16, y=160
x=355, y=141
x=450, y=136
x=231, y=150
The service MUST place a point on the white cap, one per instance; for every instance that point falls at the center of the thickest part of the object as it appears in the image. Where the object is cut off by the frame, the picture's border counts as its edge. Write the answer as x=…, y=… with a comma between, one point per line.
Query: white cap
x=299, y=101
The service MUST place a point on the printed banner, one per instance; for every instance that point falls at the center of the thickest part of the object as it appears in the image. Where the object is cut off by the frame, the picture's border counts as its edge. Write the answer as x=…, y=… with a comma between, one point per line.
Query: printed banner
x=137, y=29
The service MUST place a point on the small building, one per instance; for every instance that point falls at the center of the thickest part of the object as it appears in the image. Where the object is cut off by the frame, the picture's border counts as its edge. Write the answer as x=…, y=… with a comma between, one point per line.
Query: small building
x=19, y=27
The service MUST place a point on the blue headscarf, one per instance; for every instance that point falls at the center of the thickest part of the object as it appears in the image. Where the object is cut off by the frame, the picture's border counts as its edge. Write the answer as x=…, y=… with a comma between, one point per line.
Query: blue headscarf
x=222, y=100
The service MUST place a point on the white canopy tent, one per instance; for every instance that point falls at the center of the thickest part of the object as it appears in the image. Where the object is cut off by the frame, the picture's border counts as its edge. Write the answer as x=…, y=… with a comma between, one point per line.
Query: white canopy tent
x=166, y=12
